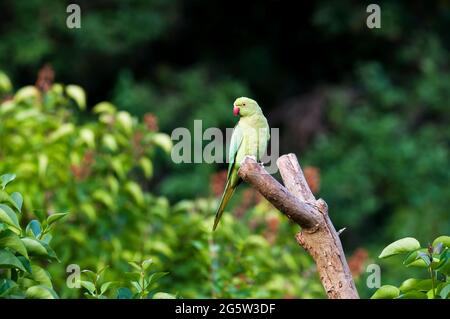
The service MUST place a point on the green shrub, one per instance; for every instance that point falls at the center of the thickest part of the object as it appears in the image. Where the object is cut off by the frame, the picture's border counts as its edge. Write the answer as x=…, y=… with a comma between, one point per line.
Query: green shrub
x=435, y=259
x=24, y=251
x=100, y=167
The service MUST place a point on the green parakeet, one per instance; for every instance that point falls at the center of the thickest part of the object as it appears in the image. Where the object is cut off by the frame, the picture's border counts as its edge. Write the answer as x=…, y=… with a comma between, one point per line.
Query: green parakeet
x=250, y=137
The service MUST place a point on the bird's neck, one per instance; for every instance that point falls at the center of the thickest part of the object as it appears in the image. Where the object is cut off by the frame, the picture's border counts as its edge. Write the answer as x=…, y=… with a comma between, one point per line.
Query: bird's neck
x=256, y=119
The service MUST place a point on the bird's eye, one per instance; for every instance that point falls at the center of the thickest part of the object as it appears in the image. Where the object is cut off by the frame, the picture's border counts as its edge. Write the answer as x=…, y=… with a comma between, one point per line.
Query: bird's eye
x=243, y=104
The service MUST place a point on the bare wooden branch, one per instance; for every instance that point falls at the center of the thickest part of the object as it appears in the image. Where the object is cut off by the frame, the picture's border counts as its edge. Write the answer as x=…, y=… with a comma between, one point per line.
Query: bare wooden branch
x=300, y=212
x=318, y=236
x=293, y=177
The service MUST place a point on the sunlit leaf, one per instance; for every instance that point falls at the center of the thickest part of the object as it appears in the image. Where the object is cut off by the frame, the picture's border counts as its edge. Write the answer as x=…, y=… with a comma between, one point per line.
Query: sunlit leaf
x=8, y=216
x=400, y=246
x=77, y=93
x=41, y=292
x=8, y=260
x=386, y=292
x=12, y=241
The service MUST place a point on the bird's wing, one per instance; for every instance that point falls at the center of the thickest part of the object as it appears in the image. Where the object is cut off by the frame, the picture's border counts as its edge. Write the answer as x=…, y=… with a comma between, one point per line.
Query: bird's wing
x=235, y=143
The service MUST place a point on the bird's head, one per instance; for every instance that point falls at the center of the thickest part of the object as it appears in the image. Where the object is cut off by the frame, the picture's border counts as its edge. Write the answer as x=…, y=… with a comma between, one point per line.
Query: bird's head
x=243, y=106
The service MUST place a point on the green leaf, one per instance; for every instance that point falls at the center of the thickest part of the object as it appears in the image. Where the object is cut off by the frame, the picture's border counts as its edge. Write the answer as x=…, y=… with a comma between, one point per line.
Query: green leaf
x=5, y=179
x=146, y=263
x=10, y=240
x=104, y=197
x=163, y=295
x=77, y=93
x=124, y=293
x=33, y=228
x=5, y=198
x=63, y=130
x=110, y=142
x=26, y=263
x=400, y=246
x=104, y=107
x=105, y=286
x=413, y=295
x=147, y=166
x=415, y=284
x=18, y=200
x=425, y=258
x=386, y=292
x=26, y=93
x=444, y=263
x=125, y=120
x=6, y=286
x=88, y=136
x=135, y=190
x=135, y=265
x=445, y=292
x=34, y=247
x=88, y=285
x=8, y=216
x=42, y=165
x=163, y=140
x=156, y=276
x=41, y=292
x=41, y=276
x=412, y=257
x=137, y=285
x=5, y=83
x=8, y=260
x=55, y=217
x=92, y=275
x=445, y=240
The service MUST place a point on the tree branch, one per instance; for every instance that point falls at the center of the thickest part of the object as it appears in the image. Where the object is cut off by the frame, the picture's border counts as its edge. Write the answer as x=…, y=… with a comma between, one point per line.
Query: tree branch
x=318, y=236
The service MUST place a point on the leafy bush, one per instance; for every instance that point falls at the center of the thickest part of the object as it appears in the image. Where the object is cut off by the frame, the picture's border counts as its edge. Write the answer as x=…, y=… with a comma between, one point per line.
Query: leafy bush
x=100, y=167
x=23, y=251
x=435, y=259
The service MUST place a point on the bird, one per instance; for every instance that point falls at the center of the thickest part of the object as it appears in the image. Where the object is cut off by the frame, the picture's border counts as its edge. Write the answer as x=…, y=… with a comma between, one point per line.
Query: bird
x=249, y=138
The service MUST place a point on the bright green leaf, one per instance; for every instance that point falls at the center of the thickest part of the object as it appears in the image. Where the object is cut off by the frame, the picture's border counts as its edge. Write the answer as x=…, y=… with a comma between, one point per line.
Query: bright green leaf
x=445, y=240
x=10, y=240
x=77, y=93
x=7, y=178
x=104, y=107
x=8, y=260
x=163, y=140
x=41, y=276
x=400, y=246
x=34, y=247
x=163, y=295
x=413, y=295
x=41, y=292
x=445, y=292
x=8, y=216
x=18, y=199
x=33, y=228
x=386, y=292
x=88, y=285
x=55, y=217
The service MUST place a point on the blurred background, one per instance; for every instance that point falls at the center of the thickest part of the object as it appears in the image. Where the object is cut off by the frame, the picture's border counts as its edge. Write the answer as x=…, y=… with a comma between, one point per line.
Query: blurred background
x=365, y=110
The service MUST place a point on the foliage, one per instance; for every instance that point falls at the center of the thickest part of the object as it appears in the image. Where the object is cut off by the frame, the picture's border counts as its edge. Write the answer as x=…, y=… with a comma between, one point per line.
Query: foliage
x=369, y=110
x=141, y=280
x=100, y=167
x=24, y=251
x=435, y=259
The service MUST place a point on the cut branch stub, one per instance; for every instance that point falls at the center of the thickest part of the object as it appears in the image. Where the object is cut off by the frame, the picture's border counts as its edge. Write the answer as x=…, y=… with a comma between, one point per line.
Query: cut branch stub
x=318, y=237
x=300, y=212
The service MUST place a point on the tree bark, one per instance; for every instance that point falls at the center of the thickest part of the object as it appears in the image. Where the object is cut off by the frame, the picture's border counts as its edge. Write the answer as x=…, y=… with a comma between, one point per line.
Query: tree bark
x=318, y=236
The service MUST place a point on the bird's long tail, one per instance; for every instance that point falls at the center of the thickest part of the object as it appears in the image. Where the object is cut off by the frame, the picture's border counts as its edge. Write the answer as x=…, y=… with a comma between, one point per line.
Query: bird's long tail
x=229, y=190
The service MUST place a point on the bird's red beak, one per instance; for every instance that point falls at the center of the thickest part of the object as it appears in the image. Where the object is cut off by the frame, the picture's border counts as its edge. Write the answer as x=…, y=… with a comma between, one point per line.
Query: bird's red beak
x=235, y=110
